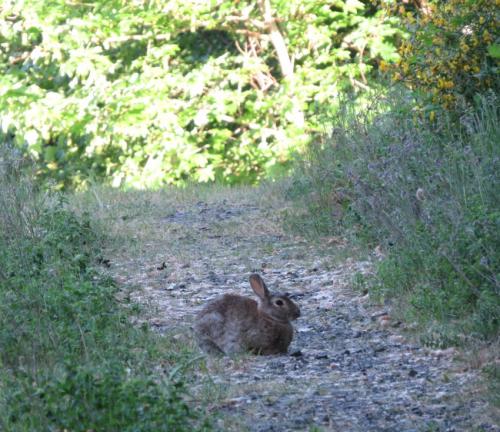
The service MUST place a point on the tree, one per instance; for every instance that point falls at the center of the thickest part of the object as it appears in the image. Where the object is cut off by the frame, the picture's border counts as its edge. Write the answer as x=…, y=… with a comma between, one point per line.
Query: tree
x=143, y=94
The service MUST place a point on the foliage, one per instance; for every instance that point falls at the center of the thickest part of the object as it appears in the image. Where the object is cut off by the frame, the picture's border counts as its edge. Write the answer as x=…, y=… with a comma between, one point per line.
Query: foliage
x=83, y=398
x=147, y=93
x=453, y=49
x=70, y=358
x=428, y=199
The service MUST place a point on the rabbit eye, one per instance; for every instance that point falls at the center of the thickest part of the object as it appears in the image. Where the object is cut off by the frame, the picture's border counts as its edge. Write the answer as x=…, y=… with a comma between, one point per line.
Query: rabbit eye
x=279, y=302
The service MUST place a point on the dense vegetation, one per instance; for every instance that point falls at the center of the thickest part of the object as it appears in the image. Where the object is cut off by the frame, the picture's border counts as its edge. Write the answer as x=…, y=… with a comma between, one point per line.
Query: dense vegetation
x=70, y=359
x=417, y=174
x=147, y=93
x=428, y=199
x=451, y=52
x=143, y=94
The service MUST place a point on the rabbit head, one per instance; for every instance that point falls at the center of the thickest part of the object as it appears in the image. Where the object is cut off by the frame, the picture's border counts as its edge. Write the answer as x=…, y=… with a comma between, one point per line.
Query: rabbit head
x=277, y=306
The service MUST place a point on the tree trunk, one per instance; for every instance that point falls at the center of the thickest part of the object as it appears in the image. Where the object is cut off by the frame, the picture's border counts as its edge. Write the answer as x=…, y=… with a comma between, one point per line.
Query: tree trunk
x=286, y=64
x=276, y=38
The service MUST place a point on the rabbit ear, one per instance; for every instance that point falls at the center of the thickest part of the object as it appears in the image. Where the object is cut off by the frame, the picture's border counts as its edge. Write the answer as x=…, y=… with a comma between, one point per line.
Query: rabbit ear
x=259, y=287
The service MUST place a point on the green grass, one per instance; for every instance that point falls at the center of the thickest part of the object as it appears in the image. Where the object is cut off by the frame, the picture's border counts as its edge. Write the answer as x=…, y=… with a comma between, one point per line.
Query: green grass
x=424, y=196
x=427, y=195
x=70, y=358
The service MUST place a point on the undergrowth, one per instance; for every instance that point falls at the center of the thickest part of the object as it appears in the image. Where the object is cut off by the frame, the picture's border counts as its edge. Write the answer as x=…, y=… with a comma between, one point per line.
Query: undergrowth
x=426, y=195
x=70, y=359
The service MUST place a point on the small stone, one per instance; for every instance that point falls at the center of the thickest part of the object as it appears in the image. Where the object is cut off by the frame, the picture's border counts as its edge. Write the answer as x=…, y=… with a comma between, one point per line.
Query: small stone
x=321, y=356
x=448, y=352
x=297, y=353
x=413, y=373
x=417, y=411
x=396, y=339
x=315, y=267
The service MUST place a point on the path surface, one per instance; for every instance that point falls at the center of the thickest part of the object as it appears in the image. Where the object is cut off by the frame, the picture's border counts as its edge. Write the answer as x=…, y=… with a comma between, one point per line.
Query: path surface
x=349, y=368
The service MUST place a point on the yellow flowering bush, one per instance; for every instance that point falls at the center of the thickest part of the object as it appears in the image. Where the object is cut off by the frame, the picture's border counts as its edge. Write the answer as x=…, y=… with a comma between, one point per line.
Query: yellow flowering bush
x=453, y=49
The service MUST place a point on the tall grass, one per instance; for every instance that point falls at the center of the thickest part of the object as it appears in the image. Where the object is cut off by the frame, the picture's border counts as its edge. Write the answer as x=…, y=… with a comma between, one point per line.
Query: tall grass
x=69, y=357
x=427, y=193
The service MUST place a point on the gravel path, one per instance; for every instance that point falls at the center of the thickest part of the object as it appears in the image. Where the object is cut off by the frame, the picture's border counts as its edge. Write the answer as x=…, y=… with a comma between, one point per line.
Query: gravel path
x=349, y=368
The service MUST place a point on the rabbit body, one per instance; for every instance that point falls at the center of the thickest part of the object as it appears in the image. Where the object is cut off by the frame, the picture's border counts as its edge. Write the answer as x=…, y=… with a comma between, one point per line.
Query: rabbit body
x=233, y=324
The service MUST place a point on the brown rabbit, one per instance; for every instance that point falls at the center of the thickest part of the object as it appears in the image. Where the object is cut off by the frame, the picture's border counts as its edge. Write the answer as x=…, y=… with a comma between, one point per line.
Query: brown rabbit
x=233, y=324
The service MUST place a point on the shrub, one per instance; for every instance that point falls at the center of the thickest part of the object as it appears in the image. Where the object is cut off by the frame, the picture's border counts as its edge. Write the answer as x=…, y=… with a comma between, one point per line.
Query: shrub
x=96, y=398
x=453, y=49
x=70, y=358
x=147, y=94
x=428, y=197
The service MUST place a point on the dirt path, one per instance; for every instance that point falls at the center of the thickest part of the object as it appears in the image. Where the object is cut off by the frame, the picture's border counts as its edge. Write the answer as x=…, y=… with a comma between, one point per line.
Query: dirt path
x=349, y=368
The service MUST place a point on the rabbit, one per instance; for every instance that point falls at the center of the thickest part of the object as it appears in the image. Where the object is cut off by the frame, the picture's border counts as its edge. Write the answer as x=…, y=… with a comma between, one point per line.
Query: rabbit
x=233, y=324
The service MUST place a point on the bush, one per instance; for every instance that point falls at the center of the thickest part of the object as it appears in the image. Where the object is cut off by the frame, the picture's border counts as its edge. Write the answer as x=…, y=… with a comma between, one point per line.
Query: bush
x=428, y=197
x=146, y=94
x=453, y=49
x=70, y=358
x=86, y=398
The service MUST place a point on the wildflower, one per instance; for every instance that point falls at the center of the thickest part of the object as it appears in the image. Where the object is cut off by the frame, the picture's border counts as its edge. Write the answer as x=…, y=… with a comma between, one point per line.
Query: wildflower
x=467, y=30
x=448, y=84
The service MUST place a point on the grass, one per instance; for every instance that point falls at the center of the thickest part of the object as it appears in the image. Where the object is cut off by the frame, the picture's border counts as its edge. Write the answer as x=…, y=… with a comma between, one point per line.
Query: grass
x=423, y=198
x=70, y=357
x=425, y=194
x=235, y=245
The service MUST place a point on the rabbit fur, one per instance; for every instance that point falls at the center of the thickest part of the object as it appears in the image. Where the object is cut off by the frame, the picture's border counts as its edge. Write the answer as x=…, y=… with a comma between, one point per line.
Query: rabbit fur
x=233, y=324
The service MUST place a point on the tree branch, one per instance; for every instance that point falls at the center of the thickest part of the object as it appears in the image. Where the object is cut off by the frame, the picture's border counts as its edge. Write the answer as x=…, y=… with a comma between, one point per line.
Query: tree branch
x=276, y=38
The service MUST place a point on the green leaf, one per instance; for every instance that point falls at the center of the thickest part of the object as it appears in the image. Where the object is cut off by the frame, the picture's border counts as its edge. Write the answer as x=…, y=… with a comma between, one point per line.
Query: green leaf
x=494, y=50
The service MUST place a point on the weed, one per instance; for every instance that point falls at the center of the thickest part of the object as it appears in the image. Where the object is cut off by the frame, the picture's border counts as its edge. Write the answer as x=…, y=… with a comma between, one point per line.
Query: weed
x=427, y=196
x=492, y=372
x=70, y=357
